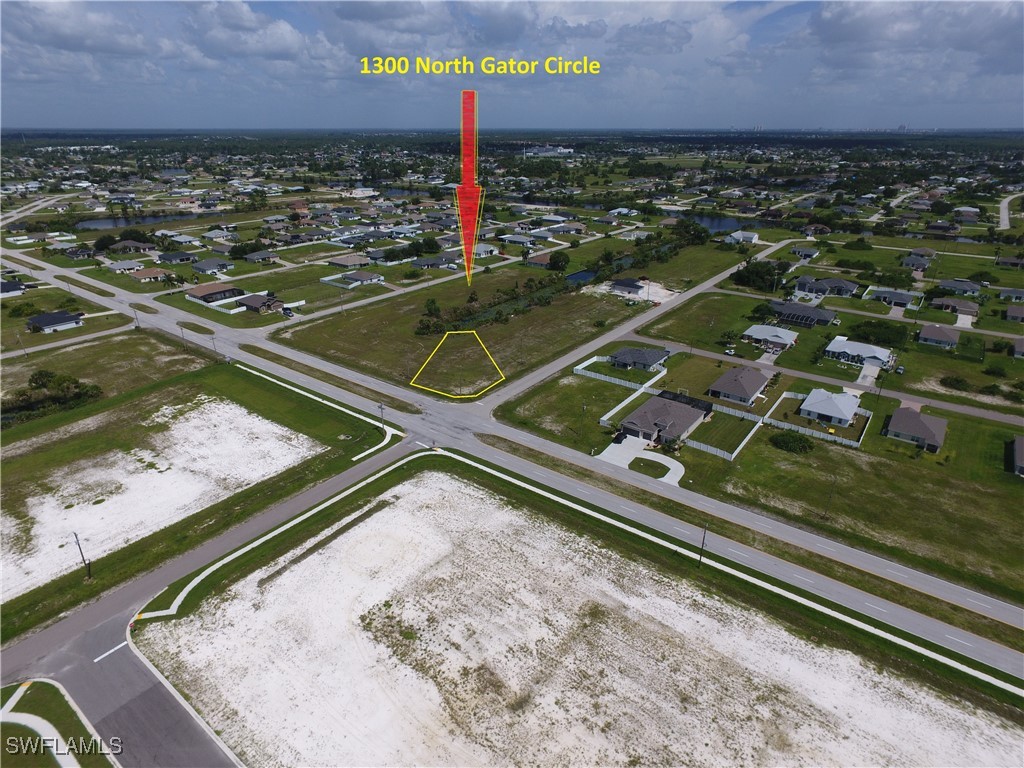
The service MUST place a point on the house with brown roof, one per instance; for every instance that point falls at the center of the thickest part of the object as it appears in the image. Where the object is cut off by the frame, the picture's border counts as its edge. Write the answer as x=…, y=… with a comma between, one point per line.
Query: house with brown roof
x=213, y=292
x=661, y=419
x=150, y=275
x=259, y=303
x=927, y=432
x=956, y=306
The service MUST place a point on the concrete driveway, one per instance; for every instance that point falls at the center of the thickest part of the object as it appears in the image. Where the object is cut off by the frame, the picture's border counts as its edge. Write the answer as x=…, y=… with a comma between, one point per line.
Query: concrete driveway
x=868, y=374
x=621, y=454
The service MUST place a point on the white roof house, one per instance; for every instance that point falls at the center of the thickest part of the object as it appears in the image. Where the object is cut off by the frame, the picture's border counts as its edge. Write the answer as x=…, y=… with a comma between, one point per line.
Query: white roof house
x=831, y=407
x=770, y=334
x=741, y=236
x=857, y=352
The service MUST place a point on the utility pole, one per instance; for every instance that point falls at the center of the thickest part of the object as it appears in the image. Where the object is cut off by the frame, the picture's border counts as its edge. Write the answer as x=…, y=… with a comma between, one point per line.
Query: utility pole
x=703, y=540
x=137, y=323
x=381, y=406
x=22, y=343
x=86, y=563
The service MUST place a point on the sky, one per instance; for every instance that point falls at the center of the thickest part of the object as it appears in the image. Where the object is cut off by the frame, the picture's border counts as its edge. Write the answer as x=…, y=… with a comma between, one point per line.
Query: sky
x=664, y=65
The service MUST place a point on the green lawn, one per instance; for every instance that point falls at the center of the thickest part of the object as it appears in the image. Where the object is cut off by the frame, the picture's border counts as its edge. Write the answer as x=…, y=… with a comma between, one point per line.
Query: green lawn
x=723, y=430
x=458, y=367
x=690, y=266
x=13, y=332
x=840, y=303
x=801, y=356
x=380, y=338
x=636, y=375
x=127, y=282
x=120, y=429
x=648, y=467
x=46, y=701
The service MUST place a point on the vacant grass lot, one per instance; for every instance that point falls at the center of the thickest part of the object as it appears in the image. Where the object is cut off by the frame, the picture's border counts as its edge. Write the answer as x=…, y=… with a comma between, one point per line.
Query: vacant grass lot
x=380, y=338
x=690, y=265
x=116, y=363
x=459, y=367
x=840, y=303
x=118, y=429
x=701, y=322
x=13, y=332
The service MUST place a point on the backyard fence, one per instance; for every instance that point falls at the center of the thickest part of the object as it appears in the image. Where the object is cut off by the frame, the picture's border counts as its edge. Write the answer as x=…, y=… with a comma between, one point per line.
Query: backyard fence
x=814, y=432
x=711, y=449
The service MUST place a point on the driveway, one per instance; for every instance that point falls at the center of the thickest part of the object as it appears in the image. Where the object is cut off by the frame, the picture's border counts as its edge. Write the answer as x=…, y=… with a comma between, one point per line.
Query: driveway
x=621, y=454
x=964, y=321
x=868, y=374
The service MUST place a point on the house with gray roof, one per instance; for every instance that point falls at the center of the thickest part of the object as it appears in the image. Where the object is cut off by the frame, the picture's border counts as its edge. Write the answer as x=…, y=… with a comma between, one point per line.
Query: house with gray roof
x=176, y=257
x=661, y=419
x=1015, y=313
x=794, y=313
x=839, y=408
x=895, y=298
x=124, y=267
x=857, y=352
x=828, y=286
x=928, y=432
x=772, y=336
x=1018, y=455
x=740, y=385
x=359, y=277
x=961, y=287
x=51, y=322
x=1011, y=294
x=212, y=266
x=939, y=336
x=639, y=357
x=804, y=252
x=917, y=263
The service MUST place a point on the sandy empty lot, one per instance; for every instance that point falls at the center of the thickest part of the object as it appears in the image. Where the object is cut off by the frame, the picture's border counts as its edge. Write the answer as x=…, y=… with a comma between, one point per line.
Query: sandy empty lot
x=209, y=450
x=451, y=629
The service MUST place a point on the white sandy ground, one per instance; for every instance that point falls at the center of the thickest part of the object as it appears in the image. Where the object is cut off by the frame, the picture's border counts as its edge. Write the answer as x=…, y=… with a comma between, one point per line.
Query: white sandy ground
x=526, y=644
x=651, y=291
x=210, y=450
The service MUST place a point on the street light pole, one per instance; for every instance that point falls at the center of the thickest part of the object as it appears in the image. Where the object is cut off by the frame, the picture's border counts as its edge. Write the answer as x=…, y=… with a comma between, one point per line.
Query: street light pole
x=22, y=343
x=381, y=406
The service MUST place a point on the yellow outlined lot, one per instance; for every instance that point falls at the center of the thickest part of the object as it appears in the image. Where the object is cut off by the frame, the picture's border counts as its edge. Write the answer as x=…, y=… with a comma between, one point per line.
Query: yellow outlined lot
x=501, y=376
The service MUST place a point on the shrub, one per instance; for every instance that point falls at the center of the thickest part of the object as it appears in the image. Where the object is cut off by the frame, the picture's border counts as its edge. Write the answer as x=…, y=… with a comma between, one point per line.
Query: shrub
x=27, y=309
x=995, y=370
x=955, y=382
x=991, y=389
x=793, y=442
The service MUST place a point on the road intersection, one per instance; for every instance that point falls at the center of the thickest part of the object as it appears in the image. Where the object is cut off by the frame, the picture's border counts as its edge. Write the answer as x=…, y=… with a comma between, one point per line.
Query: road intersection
x=125, y=697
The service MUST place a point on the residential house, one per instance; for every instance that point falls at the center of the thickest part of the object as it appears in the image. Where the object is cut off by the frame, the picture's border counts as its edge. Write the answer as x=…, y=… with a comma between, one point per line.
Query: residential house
x=51, y=322
x=857, y=352
x=661, y=420
x=804, y=252
x=839, y=408
x=740, y=385
x=956, y=306
x=939, y=336
x=1018, y=455
x=639, y=357
x=221, y=249
x=1018, y=347
x=524, y=241
x=483, y=250
x=539, y=260
x=1011, y=294
x=828, y=286
x=218, y=234
x=923, y=253
x=150, y=275
x=895, y=298
x=212, y=266
x=928, y=432
x=740, y=236
x=1015, y=313
x=257, y=302
x=436, y=262
x=210, y=293
x=770, y=336
x=131, y=246
x=916, y=263
x=794, y=313
x=176, y=257
x=961, y=287
x=816, y=230
x=347, y=262
x=358, y=277
x=259, y=257
x=124, y=267
x=1010, y=261
x=186, y=240
x=627, y=286
x=11, y=288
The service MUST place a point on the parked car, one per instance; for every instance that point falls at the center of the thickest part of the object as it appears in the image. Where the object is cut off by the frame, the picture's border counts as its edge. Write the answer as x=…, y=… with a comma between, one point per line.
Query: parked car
x=900, y=369
x=730, y=352
x=287, y=312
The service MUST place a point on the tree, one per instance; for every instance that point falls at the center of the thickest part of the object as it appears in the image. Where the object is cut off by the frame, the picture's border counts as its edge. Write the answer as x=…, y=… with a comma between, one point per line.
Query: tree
x=433, y=309
x=558, y=262
x=473, y=298
x=104, y=242
x=794, y=442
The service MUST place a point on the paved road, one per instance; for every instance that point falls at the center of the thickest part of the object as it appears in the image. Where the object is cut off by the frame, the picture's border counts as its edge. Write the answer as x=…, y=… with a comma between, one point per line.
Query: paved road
x=123, y=698
x=1004, y=210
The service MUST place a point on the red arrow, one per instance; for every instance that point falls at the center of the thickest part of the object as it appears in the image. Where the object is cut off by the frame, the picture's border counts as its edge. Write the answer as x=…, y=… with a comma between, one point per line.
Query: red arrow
x=469, y=196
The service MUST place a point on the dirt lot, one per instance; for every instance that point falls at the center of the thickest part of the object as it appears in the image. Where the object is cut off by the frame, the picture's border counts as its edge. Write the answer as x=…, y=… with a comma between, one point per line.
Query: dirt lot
x=449, y=628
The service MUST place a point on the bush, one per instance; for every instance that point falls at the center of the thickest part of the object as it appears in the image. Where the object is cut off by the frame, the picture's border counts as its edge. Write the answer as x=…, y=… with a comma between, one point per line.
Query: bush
x=793, y=442
x=860, y=244
x=27, y=309
x=991, y=389
x=995, y=370
x=955, y=382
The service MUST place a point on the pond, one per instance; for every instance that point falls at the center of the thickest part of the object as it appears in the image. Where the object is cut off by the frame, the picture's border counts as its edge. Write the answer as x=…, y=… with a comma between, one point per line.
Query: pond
x=134, y=221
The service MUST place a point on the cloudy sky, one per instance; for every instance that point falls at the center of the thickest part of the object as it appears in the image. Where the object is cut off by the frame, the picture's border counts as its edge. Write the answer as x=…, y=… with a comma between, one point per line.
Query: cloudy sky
x=226, y=65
